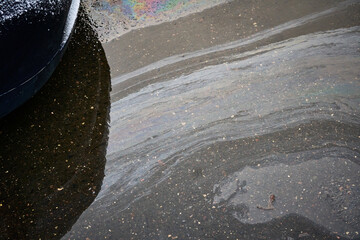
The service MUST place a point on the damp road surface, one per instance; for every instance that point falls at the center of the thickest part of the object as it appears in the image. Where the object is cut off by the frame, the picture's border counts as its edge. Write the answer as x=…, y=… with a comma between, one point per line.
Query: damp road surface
x=225, y=120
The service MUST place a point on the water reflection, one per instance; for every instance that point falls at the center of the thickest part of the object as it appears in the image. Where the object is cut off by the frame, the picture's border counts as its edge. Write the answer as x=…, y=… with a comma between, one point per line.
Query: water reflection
x=52, y=153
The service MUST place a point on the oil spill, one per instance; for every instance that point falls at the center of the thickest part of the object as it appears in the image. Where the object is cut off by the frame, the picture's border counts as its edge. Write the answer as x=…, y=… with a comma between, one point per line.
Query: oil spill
x=114, y=18
x=199, y=138
x=322, y=188
x=214, y=113
x=52, y=154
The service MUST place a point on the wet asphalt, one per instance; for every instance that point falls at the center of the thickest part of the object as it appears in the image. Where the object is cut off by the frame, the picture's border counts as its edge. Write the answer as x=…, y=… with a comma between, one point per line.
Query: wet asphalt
x=208, y=116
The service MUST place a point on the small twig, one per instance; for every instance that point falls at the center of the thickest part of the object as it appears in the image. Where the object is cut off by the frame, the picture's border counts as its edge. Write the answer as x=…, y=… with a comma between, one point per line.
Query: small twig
x=270, y=205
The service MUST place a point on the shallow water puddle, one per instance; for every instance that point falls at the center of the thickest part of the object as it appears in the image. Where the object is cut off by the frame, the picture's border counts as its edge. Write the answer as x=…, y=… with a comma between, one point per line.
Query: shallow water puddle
x=203, y=108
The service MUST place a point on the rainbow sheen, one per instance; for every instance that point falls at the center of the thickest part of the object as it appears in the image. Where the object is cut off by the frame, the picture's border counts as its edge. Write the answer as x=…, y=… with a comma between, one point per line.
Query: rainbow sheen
x=151, y=9
x=113, y=18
